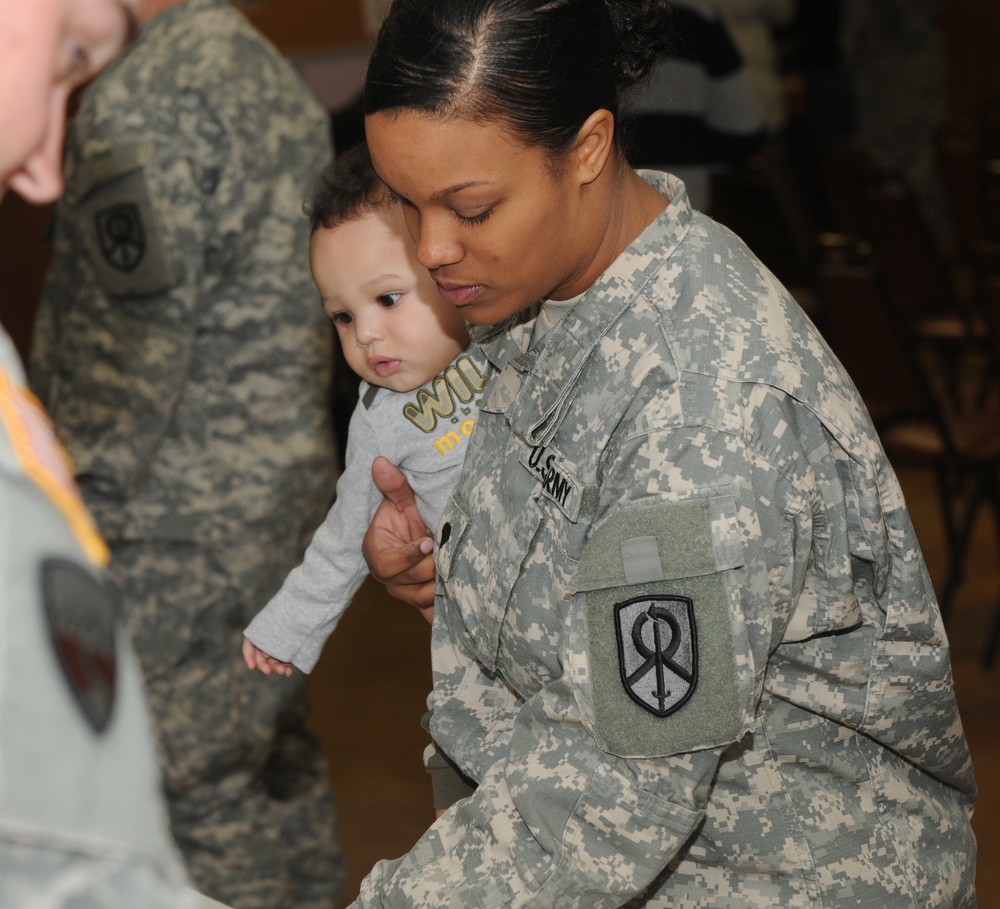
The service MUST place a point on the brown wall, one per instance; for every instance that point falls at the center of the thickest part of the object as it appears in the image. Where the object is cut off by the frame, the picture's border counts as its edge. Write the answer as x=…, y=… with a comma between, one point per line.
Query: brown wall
x=298, y=26
x=24, y=258
x=972, y=36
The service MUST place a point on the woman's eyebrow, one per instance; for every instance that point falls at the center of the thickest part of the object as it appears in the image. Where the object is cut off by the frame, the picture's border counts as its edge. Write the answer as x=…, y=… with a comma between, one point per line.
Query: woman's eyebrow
x=458, y=187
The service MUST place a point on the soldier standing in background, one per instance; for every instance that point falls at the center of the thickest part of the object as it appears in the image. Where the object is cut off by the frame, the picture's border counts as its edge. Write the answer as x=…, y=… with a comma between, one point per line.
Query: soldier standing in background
x=753, y=24
x=82, y=819
x=186, y=363
x=895, y=53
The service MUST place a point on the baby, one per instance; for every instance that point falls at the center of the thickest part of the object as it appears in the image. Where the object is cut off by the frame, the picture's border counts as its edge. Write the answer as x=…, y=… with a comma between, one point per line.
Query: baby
x=418, y=400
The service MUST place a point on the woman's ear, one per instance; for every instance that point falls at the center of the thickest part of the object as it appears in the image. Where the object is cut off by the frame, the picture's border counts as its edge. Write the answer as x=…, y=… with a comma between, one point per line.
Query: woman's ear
x=594, y=145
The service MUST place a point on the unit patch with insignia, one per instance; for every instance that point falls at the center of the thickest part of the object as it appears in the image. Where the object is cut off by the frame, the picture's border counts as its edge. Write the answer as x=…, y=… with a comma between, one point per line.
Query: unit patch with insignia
x=120, y=236
x=657, y=651
x=660, y=630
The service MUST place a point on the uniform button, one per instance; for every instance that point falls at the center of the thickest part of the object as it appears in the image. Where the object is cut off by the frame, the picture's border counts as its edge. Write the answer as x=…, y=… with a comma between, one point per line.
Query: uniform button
x=445, y=533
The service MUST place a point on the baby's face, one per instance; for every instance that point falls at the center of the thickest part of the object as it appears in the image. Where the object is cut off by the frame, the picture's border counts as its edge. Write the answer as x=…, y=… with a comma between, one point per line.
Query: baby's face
x=394, y=328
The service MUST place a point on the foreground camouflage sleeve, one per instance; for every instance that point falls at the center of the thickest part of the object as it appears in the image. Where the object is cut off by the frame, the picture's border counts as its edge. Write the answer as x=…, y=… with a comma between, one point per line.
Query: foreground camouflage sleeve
x=92, y=829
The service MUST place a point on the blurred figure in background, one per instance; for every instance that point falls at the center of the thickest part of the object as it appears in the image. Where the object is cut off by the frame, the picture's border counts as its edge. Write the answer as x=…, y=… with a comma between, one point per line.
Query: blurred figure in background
x=753, y=25
x=821, y=115
x=895, y=53
x=82, y=819
x=696, y=115
x=186, y=363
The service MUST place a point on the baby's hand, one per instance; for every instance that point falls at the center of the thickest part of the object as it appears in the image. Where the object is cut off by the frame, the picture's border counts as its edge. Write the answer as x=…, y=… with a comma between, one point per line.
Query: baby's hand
x=255, y=658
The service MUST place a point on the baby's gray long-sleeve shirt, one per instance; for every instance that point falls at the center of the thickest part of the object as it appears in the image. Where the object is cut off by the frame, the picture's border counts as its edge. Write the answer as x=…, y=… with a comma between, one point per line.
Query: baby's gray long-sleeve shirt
x=423, y=432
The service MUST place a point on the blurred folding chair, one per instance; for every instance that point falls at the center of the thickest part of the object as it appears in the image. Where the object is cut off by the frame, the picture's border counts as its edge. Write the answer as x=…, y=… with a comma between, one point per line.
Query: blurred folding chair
x=963, y=166
x=991, y=200
x=990, y=301
x=918, y=279
x=916, y=424
x=856, y=326
x=844, y=167
x=988, y=127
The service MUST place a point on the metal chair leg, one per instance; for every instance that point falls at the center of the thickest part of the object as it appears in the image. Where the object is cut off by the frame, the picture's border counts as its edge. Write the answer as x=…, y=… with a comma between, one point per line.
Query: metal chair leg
x=993, y=642
x=980, y=489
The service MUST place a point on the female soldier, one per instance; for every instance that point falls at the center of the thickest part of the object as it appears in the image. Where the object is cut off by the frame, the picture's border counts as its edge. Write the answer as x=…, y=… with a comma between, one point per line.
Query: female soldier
x=684, y=639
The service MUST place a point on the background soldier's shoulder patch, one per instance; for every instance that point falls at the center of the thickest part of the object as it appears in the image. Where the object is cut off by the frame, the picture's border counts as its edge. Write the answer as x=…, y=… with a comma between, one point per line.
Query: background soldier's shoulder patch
x=660, y=631
x=130, y=240
x=82, y=620
x=121, y=236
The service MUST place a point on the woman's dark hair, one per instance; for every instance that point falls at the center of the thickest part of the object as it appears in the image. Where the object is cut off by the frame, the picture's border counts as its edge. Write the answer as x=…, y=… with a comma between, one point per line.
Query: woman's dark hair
x=345, y=189
x=539, y=66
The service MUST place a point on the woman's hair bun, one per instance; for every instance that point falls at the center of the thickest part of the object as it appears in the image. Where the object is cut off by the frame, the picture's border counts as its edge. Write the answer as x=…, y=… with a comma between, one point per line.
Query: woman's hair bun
x=642, y=28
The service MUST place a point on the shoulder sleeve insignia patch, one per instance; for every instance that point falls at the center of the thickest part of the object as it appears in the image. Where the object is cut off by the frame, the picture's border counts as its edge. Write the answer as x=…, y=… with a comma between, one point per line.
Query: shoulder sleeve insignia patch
x=82, y=620
x=662, y=642
x=657, y=651
x=120, y=236
x=128, y=231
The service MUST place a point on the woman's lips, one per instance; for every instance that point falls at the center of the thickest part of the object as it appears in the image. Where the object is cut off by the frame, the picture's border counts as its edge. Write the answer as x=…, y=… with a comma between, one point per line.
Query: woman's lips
x=460, y=296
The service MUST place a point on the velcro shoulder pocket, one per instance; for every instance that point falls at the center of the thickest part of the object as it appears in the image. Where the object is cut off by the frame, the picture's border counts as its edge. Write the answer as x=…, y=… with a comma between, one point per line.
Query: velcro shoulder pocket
x=129, y=236
x=661, y=628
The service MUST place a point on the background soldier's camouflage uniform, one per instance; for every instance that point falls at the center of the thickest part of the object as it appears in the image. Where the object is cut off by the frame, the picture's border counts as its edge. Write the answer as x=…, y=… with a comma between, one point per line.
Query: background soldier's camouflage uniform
x=684, y=438
x=185, y=358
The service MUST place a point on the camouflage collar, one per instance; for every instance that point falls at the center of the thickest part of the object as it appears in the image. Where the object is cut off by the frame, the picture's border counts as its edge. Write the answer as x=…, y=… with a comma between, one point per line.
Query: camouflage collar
x=566, y=347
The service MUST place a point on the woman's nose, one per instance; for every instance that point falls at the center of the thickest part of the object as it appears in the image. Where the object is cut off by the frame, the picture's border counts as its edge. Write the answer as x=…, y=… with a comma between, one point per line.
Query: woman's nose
x=436, y=243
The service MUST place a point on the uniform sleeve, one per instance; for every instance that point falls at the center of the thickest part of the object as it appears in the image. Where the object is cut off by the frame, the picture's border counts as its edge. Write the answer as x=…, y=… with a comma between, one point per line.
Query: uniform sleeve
x=297, y=621
x=44, y=337
x=472, y=710
x=555, y=820
x=602, y=776
x=140, y=224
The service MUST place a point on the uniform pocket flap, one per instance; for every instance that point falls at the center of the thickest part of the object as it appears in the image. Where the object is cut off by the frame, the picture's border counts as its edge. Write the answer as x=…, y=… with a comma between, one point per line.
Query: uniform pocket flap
x=689, y=538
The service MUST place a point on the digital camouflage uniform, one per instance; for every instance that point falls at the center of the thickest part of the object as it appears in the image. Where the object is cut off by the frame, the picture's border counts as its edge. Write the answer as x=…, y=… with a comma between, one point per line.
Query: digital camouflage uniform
x=82, y=818
x=684, y=636
x=186, y=362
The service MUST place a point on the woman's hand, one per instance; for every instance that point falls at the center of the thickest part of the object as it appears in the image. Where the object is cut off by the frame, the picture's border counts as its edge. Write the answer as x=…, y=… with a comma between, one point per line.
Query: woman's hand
x=397, y=547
